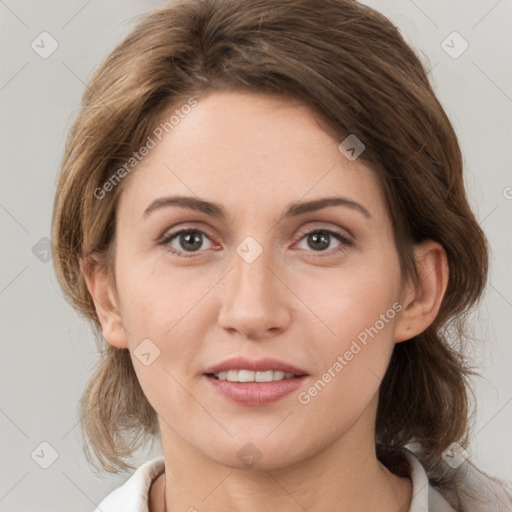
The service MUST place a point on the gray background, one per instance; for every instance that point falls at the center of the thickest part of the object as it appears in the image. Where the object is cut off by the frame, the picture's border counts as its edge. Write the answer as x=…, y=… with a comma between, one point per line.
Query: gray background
x=48, y=351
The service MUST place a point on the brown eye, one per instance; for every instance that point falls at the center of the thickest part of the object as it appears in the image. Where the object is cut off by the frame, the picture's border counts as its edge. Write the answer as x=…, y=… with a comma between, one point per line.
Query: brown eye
x=321, y=239
x=318, y=241
x=185, y=241
x=190, y=241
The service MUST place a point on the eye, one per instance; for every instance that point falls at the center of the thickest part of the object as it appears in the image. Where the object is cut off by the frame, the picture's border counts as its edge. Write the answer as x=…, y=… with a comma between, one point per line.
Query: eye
x=320, y=239
x=187, y=242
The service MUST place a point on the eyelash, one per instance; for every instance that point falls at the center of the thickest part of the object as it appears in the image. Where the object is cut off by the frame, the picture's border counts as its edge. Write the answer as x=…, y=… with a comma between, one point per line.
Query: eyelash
x=166, y=239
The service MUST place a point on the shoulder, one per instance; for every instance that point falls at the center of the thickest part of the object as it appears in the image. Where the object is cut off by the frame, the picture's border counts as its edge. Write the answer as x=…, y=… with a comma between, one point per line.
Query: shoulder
x=478, y=492
x=132, y=496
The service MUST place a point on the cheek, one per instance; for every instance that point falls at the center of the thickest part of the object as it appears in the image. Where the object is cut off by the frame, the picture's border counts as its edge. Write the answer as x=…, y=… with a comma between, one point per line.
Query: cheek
x=353, y=361
x=168, y=307
x=165, y=320
x=351, y=299
x=155, y=296
x=358, y=309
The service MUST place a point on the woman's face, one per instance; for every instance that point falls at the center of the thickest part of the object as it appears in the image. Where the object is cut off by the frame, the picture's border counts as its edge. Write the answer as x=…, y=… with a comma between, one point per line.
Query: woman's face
x=315, y=288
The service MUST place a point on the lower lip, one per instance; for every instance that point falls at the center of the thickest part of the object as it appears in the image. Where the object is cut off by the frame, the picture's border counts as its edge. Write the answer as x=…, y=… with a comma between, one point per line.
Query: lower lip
x=255, y=393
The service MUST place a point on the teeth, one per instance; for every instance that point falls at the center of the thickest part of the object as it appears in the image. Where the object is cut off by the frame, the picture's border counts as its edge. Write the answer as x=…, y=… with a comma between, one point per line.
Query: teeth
x=250, y=376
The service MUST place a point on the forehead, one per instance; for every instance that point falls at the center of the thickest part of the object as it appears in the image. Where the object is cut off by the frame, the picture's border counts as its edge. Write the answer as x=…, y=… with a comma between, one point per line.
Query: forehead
x=248, y=151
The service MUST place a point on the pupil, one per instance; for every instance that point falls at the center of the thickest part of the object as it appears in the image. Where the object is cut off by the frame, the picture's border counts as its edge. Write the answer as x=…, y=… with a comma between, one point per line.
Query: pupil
x=323, y=238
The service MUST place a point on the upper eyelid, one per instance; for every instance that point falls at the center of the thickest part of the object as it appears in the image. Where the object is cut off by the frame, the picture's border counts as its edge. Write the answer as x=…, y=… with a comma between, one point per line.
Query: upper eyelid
x=301, y=231
x=337, y=229
x=328, y=223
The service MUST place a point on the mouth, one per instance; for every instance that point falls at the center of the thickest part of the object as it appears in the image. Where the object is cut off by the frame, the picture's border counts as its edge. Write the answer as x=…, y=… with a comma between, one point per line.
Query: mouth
x=254, y=382
x=243, y=375
x=242, y=369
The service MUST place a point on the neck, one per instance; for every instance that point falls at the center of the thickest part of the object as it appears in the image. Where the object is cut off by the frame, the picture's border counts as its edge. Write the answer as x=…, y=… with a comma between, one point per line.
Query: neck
x=344, y=476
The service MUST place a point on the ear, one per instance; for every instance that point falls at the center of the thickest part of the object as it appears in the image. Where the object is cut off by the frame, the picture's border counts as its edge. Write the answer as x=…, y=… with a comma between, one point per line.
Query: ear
x=421, y=304
x=102, y=290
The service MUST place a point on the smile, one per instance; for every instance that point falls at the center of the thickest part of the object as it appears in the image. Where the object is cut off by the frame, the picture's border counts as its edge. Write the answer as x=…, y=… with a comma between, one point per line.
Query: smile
x=251, y=376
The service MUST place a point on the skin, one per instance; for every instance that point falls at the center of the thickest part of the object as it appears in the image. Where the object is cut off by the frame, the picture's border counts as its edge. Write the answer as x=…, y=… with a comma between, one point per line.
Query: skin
x=255, y=155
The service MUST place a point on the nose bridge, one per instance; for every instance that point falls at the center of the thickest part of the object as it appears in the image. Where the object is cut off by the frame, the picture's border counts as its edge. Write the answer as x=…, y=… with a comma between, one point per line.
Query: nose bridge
x=251, y=277
x=251, y=300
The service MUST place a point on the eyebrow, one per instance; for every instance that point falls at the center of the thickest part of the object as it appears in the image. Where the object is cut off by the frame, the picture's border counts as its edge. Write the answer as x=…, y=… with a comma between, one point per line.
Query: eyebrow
x=215, y=210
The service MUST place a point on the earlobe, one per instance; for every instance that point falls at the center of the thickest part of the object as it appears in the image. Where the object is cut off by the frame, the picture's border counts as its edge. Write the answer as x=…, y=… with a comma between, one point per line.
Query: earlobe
x=421, y=304
x=101, y=289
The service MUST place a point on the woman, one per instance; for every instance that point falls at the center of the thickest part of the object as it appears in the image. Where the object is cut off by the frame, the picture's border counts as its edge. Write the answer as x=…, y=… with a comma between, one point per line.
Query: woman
x=261, y=210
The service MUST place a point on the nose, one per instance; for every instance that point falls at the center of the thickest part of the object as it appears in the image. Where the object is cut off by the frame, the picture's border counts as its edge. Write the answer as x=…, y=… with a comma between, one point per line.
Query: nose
x=255, y=301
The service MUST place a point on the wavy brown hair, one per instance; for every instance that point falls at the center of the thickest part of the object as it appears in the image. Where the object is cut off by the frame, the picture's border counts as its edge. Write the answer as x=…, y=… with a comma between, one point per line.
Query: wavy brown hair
x=352, y=67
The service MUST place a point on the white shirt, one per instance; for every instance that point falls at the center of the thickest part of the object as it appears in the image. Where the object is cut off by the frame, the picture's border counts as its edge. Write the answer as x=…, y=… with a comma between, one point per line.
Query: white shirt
x=487, y=496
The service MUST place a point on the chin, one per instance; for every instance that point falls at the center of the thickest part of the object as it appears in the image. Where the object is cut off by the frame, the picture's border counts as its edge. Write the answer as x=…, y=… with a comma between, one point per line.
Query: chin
x=258, y=452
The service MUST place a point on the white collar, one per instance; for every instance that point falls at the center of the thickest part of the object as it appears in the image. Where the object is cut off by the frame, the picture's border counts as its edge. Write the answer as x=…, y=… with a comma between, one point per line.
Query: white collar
x=487, y=495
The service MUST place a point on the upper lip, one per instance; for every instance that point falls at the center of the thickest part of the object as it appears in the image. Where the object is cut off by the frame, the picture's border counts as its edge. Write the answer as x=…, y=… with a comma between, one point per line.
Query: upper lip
x=259, y=365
